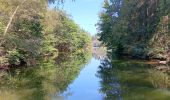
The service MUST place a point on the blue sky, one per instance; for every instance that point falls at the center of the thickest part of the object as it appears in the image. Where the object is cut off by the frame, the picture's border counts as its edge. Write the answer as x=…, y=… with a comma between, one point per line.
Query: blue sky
x=84, y=13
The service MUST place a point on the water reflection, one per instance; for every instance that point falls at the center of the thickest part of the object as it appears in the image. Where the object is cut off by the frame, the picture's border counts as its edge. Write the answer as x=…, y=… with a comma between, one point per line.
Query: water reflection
x=159, y=79
x=109, y=82
x=132, y=80
x=45, y=81
x=119, y=80
x=99, y=53
x=86, y=86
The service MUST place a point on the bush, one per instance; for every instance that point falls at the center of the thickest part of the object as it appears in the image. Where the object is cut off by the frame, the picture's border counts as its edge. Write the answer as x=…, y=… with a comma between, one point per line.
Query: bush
x=15, y=57
x=139, y=51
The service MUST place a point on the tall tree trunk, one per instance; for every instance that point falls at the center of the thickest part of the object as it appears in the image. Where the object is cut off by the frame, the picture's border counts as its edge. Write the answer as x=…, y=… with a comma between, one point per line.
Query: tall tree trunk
x=11, y=18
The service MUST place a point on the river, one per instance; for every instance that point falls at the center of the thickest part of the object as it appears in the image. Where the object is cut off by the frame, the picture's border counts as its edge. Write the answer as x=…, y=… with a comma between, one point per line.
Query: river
x=86, y=86
x=82, y=77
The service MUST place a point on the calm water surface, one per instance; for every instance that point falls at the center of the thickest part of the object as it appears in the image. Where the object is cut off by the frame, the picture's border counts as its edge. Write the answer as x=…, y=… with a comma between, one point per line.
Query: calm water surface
x=79, y=77
x=87, y=85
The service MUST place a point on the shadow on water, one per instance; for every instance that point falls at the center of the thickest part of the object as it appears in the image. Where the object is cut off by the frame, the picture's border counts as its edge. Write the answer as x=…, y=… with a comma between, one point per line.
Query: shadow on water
x=131, y=80
x=44, y=81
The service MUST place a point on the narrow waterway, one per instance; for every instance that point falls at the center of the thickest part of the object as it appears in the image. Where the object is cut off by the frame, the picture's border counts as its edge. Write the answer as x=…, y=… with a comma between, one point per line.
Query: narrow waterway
x=86, y=86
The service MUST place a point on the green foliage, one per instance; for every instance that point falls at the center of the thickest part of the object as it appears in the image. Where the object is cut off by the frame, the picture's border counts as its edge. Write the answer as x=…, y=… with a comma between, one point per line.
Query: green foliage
x=134, y=23
x=31, y=28
x=15, y=57
x=68, y=35
x=52, y=45
x=37, y=32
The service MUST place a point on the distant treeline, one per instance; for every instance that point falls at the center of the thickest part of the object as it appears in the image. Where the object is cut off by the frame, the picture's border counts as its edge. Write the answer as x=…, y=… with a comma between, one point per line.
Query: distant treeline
x=136, y=28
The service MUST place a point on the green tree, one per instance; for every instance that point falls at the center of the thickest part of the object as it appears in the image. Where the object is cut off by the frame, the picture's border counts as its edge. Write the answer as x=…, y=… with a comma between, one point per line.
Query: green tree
x=35, y=32
x=137, y=28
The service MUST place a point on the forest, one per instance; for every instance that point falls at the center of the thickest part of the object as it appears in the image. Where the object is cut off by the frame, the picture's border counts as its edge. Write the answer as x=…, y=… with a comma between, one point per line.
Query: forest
x=31, y=31
x=136, y=28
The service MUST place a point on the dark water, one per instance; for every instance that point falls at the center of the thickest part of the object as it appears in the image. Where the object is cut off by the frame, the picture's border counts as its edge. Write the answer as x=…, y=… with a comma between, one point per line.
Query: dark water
x=80, y=77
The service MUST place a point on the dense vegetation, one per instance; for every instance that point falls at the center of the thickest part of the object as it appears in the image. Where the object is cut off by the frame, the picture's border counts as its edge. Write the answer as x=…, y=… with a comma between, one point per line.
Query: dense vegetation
x=137, y=28
x=42, y=50
x=31, y=32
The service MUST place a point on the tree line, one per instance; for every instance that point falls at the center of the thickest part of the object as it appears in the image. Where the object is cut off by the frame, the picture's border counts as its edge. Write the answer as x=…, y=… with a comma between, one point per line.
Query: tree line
x=136, y=28
x=31, y=31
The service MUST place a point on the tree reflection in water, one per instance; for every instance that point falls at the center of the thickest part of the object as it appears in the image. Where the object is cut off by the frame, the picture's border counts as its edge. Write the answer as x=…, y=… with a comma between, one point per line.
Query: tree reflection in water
x=110, y=85
x=132, y=80
x=44, y=81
